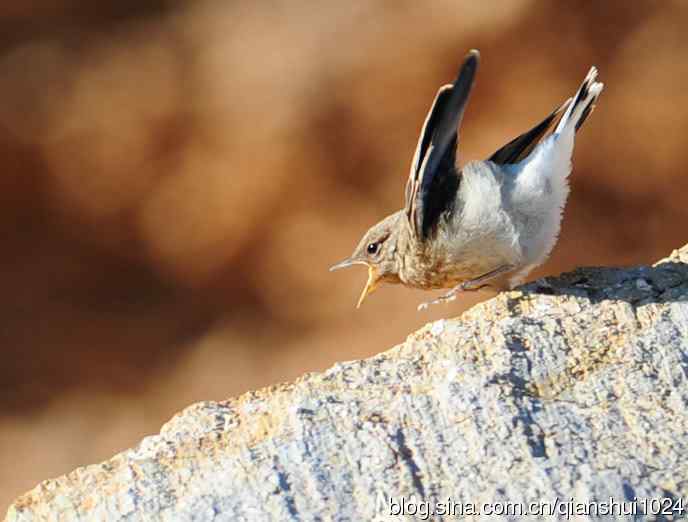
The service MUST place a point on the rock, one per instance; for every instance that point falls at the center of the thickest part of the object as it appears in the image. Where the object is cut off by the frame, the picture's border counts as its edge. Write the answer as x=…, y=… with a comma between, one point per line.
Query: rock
x=571, y=390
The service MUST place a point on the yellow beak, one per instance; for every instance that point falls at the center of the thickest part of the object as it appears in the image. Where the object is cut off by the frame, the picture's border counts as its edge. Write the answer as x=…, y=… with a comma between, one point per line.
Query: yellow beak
x=373, y=278
x=372, y=285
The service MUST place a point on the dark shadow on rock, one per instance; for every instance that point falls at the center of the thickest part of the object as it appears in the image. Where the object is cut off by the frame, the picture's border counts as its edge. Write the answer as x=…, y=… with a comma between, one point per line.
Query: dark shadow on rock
x=666, y=282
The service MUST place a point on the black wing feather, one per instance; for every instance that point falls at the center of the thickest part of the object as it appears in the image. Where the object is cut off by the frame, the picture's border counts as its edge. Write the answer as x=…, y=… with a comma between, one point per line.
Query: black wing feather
x=433, y=180
x=519, y=148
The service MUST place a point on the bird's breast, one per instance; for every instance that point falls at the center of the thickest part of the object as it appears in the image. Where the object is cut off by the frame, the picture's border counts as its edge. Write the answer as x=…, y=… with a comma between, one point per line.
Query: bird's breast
x=436, y=271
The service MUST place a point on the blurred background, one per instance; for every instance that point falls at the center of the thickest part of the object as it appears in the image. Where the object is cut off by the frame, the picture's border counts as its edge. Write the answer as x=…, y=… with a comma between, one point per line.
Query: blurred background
x=176, y=178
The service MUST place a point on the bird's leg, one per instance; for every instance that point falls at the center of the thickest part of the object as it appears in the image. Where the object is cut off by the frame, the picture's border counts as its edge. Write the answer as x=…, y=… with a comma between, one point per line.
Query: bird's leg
x=468, y=286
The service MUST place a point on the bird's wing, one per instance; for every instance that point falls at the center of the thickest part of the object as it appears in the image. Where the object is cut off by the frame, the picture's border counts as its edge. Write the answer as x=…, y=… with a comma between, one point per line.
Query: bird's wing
x=433, y=179
x=520, y=147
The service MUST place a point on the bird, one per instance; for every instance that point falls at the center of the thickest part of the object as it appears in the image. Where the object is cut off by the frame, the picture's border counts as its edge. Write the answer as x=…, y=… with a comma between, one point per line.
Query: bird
x=487, y=223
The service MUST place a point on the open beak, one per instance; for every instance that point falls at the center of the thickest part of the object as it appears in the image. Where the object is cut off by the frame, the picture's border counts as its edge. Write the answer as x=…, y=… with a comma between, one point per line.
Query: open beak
x=373, y=280
x=372, y=285
x=346, y=263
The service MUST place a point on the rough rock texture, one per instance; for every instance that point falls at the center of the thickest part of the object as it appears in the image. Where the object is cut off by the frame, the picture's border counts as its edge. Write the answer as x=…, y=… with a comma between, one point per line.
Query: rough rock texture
x=574, y=386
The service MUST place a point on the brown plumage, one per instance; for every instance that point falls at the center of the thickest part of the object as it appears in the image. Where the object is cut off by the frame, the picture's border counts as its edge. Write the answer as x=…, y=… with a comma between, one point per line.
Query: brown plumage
x=488, y=223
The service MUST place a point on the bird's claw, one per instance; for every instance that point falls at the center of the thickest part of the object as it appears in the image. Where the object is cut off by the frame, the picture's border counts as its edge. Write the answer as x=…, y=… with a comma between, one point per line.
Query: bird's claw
x=446, y=298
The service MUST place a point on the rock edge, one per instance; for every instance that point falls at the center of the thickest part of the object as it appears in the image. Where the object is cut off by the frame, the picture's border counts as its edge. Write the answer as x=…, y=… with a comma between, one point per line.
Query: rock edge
x=572, y=387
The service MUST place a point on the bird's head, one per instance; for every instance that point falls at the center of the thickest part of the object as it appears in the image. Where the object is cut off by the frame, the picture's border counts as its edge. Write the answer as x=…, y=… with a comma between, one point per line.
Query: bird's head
x=378, y=250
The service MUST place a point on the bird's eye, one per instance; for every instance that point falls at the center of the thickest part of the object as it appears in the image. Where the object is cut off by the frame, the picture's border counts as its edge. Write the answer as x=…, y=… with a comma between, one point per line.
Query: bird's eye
x=372, y=248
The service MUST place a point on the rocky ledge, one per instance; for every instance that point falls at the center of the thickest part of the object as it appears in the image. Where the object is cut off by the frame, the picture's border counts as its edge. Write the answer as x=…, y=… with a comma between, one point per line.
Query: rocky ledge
x=568, y=390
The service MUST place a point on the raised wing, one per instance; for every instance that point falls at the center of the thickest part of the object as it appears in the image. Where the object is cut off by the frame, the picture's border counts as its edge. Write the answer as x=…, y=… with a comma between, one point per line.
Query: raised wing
x=433, y=180
x=519, y=148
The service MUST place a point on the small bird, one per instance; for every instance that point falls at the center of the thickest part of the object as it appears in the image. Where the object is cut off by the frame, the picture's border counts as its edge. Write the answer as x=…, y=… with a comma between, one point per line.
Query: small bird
x=488, y=223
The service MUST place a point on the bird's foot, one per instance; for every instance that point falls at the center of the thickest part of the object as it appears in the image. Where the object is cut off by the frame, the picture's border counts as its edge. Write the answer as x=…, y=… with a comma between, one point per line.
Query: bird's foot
x=446, y=298
x=468, y=286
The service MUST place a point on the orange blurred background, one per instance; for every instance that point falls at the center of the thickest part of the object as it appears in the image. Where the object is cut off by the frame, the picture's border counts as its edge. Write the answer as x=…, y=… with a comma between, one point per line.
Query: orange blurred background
x=178, y=177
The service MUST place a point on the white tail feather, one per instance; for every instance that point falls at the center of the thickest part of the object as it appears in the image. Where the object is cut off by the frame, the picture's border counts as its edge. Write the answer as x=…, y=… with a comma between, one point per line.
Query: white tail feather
x=541, y=179
x=583, y=103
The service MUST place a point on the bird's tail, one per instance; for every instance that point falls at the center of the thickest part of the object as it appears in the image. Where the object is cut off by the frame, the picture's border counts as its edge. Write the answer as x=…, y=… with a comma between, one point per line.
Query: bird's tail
x=582, y=105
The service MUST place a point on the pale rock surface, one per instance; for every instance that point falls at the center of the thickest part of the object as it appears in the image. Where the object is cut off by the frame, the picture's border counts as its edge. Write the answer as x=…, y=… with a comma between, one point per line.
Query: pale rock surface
x=574, y=386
